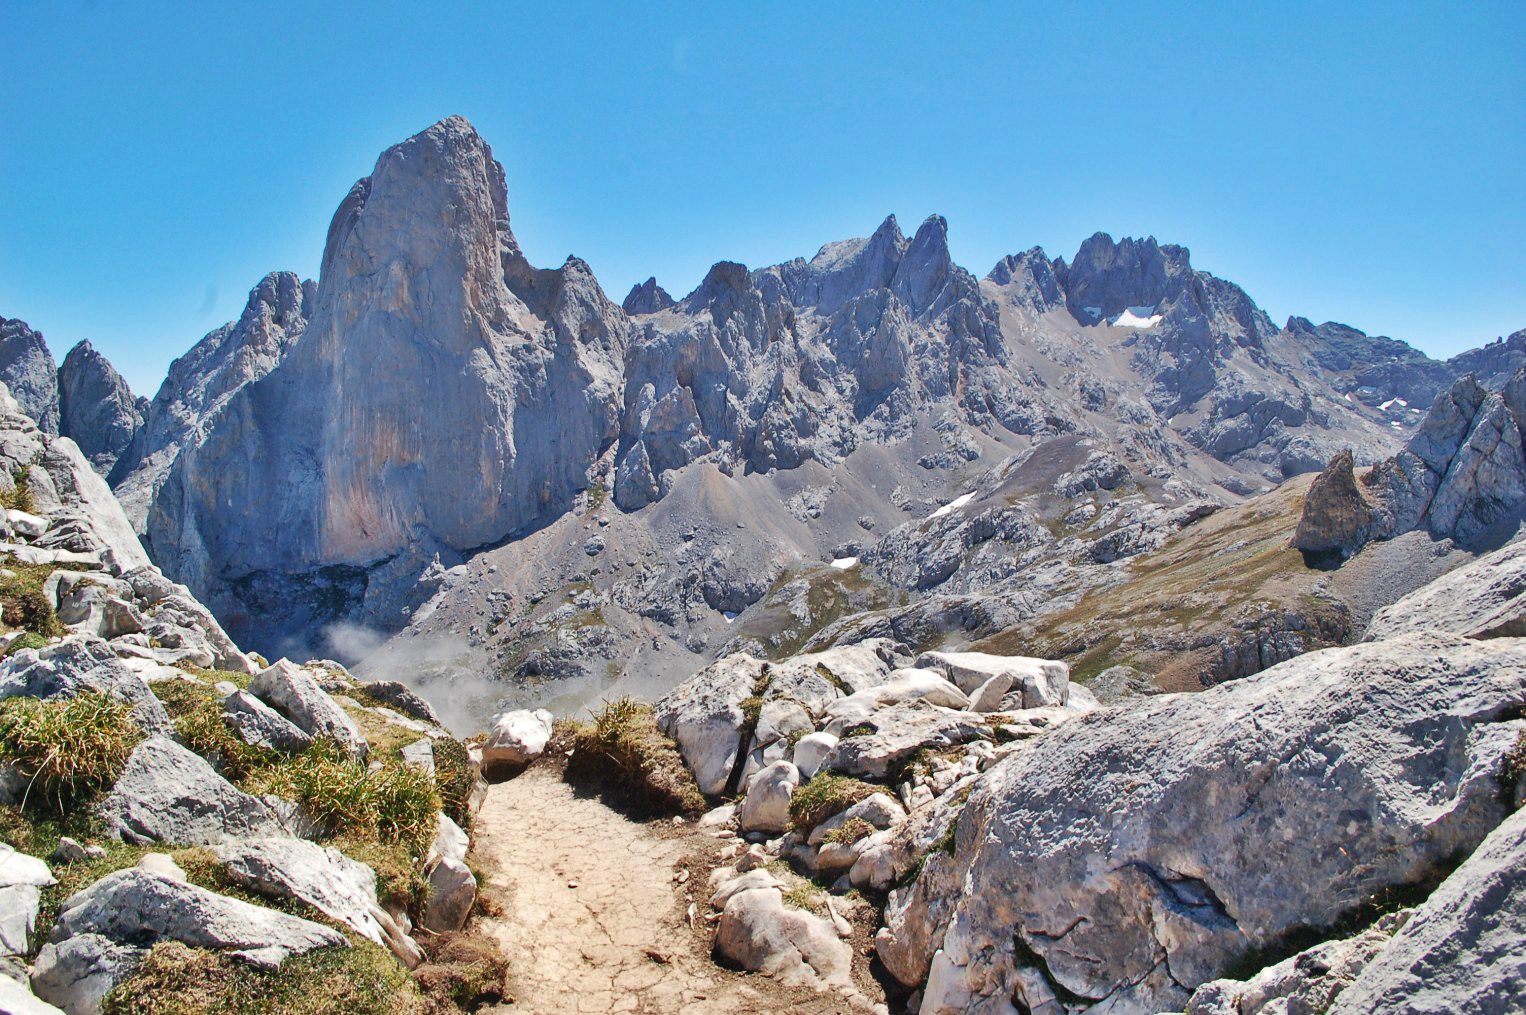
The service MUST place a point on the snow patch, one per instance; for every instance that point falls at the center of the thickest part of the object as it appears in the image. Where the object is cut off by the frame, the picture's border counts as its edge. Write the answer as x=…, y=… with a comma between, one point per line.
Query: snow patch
x=843, y=563
x=1349, y=398
x=1397, y=425
x=730, y=615
x=1137, y=317
x=958, y=502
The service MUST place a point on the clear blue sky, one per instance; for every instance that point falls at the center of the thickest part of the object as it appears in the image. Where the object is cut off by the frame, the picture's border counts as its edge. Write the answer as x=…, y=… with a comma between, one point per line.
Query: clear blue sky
x=1362, y=164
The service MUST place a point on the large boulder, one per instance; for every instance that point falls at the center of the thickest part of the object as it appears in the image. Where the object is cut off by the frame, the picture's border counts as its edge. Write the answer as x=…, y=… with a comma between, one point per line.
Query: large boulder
x=517, y=737
x=1478, y=600
x=171, y=795
x=403, y=698
x=766, y=806
x=452, y=885
x=759, y=933
x=892, y=735
x=22, y=879
x=904, y=685
x=1126, y=857
x=103, y=931
x=704, y=716
x=295, y=693
x=90, y=608
x=78, y=666
x=259, y=725
x=1464, y=950
x=324, y=878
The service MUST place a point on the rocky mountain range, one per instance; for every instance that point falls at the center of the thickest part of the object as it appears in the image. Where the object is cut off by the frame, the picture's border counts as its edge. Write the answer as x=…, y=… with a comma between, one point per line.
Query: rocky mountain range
x=1071, y=639
x=479, y=458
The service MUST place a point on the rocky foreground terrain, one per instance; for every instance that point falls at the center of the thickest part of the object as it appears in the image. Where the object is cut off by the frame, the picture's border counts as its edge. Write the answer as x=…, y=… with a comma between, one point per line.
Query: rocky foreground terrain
x=851, y=634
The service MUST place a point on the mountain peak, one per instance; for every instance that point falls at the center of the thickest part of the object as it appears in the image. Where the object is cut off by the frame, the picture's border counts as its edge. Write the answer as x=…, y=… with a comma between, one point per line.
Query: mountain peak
x=96, y=406
x=647, y=298
x=1106, y=277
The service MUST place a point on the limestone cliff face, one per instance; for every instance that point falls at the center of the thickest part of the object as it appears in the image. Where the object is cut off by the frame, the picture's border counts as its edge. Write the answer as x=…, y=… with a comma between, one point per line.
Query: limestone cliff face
x=202, y=381
x=346, y=448
x=1461, y=475
x=427, y=404
x=27, y=369
x=96, y=407
x=806, y=360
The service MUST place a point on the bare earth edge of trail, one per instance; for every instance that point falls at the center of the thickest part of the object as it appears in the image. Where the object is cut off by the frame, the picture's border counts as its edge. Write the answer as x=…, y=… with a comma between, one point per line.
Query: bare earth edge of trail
x=593, y=918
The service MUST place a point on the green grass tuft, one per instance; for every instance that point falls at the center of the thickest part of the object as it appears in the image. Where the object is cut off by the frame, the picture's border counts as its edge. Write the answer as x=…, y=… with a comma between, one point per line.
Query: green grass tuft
x=197, y=712
x=625, y=751
x=395, y=803
x=455, y=778
x=176, y=980
x=19, y=497
x=849, y=832
x=69, y=749
x=22, y=600
x=825, y=796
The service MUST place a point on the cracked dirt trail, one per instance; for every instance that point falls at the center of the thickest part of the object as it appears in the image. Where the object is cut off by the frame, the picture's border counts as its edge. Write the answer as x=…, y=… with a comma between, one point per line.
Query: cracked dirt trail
x=618, y=941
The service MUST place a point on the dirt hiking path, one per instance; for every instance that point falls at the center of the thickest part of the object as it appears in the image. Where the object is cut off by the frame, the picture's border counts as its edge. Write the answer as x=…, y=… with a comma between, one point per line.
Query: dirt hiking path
x=593, y=920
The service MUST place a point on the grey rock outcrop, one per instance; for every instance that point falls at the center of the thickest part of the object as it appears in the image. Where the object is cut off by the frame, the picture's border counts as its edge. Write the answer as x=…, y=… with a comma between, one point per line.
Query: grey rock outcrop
x=124, y=914
x=1478, y=600
x=259, y=725
x=28, y=370
x=202, y=381
x=705, y=715
x=1462, y=951
x=516, y=737
x=1124, y=858
x=452, y=885
x=78, y=666
x=96, y=407
x=324, y=878
x=296, y=693
x=22, y=879
x=758, y=932
x=646, y=298
x=168, y=794
x=83, y=517
x=1304, y=984
x=1462, y=474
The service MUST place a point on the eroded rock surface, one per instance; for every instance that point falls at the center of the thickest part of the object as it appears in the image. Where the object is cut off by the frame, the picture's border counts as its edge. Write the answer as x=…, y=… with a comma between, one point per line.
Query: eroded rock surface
x=1123, y=858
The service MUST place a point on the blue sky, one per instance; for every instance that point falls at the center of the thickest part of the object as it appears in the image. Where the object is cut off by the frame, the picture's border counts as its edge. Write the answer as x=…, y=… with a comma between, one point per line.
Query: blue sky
x=1360, y=164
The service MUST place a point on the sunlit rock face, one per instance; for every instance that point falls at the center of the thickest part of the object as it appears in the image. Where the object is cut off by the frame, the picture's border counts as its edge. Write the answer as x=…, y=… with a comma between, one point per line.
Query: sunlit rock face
x=428, y=405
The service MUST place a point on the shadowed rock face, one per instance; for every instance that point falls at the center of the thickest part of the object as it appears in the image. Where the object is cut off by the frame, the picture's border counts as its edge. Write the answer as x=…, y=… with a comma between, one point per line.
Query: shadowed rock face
x=646, y=298
x=96, y=407
x=26, y=368
x=200, y=383
x=428, y=405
